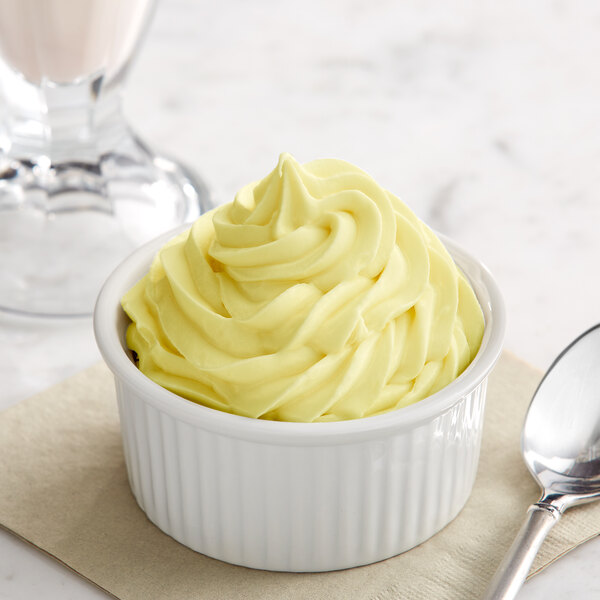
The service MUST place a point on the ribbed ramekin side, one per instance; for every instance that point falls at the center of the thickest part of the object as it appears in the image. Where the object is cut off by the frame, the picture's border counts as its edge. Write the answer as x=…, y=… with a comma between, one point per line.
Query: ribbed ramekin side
x=300, y=508
x=127, y=436
x=440, y=471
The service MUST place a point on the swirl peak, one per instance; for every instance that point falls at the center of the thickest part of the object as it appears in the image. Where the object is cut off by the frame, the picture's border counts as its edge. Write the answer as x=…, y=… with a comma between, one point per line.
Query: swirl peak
x=316, y=295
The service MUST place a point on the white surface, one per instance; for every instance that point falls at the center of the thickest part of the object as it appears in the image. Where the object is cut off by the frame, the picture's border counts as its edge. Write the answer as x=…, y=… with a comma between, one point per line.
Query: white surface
x=483, y=118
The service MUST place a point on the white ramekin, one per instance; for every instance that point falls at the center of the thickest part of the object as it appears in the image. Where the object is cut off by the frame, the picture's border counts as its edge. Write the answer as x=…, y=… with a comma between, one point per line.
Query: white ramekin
x=298, y=496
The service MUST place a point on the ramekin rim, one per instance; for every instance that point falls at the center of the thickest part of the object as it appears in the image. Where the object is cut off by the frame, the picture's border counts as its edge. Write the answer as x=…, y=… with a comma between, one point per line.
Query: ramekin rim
x=264, y=431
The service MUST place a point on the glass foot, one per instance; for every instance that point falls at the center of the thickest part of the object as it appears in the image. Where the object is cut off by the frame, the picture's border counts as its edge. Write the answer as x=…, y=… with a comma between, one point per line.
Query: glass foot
x=65, y=227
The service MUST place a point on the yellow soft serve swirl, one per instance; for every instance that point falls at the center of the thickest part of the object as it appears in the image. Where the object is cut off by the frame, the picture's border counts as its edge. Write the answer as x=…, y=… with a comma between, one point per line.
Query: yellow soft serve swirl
x=316, y=295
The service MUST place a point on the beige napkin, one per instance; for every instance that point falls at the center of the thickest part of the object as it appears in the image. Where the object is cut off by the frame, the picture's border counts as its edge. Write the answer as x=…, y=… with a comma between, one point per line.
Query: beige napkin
x=63, y=488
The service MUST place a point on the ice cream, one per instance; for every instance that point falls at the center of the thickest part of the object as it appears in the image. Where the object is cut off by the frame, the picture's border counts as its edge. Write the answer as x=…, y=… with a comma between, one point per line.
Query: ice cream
x=316, y=295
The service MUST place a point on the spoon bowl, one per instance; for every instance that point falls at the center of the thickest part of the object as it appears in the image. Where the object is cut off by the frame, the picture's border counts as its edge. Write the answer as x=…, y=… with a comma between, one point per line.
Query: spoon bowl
x=561, y=447
x=561, y=436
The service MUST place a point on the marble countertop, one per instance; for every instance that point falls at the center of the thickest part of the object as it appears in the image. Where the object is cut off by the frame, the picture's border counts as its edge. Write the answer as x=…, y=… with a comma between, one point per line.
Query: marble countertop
x=484, y=118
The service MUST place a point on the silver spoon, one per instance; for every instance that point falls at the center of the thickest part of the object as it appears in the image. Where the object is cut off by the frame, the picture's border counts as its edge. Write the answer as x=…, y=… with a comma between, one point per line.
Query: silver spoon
x=561, y=446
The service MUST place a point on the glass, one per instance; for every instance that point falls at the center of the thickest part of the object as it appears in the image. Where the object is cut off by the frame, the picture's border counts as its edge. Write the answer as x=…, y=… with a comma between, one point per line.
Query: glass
x=78, y=189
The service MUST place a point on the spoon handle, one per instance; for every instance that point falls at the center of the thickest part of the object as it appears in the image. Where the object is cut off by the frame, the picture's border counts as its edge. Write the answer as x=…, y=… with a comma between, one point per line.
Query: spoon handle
x=513, y=570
